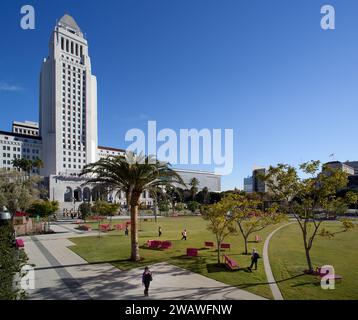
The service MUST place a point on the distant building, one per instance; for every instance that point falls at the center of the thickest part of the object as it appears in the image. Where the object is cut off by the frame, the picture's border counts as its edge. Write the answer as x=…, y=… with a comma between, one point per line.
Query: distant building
x=254, y=183
x=18, y=146
x=351, y=168
x=354, y=165
x=29, y=128
x=259, y=185
x=249, y=184
x=340, y=166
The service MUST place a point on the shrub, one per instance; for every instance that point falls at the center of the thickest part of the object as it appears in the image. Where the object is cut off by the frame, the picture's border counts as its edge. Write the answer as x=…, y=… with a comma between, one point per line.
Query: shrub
x=193, y=206
x=85, y=209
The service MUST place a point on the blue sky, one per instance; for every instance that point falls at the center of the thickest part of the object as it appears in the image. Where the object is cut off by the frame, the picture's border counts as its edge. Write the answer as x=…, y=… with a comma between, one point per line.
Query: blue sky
x=262, y=67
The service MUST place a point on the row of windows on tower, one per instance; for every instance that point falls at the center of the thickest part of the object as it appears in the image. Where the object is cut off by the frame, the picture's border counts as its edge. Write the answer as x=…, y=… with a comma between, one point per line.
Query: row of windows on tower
x=18, y=149
x=69, y=166
x=71, y=47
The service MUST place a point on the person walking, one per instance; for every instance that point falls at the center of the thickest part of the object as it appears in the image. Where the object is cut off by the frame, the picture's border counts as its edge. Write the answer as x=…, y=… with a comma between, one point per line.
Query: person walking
x=160, y=231
x=126, y=231
x=147, y=278
x=184, y=234
x=254, y=257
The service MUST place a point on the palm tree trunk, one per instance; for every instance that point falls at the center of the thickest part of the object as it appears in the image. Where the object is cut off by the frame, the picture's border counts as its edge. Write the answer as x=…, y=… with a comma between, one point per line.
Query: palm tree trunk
x=134, y=234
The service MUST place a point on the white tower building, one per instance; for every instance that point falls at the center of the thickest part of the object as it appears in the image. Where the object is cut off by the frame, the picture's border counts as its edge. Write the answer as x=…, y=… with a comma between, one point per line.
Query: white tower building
x=68, y=102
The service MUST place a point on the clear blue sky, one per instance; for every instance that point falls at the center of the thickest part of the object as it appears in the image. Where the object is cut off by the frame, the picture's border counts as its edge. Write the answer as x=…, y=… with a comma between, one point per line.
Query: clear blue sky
x=264, y=68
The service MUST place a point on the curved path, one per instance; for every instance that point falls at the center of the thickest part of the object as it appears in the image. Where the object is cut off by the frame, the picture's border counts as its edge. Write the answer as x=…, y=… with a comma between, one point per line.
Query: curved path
x=270, y=278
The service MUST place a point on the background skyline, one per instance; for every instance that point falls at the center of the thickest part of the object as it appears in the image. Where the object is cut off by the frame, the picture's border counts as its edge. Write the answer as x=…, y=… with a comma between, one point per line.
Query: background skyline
x=264, y=68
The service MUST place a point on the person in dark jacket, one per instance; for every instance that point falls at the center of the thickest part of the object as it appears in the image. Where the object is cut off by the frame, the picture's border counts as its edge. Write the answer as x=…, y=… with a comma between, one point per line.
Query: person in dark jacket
x=146, y=280
x=184, y=235
x=254, y=257
x=160, y=231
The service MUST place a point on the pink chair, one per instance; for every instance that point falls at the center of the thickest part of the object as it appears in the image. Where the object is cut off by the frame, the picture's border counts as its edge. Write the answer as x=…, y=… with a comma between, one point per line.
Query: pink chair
x=230, y=263
x=192, y=252
x=166, y=245
x=20, y=243
x=225, y=246
x=209, y=244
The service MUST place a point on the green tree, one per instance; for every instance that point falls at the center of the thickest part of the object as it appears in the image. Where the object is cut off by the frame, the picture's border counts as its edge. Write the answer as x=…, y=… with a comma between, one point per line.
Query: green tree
x=27, y=165
x=132, y=174
x=194, y=184
x=193, y=206
x=222, y=220
x=17, y=191
x=252, y=217
x=44, y=208
x=86, y=209
x=11, y=263
x=180, y=206
x=104, y=208
x=307, y=197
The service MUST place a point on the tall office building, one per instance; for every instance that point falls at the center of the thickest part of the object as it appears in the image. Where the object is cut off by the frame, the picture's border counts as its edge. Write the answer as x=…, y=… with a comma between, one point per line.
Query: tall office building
x=68, y=126
x=68, y=102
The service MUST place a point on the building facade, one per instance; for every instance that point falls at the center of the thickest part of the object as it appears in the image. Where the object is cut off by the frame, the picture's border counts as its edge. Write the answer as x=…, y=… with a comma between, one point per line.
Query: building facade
x=66, y=139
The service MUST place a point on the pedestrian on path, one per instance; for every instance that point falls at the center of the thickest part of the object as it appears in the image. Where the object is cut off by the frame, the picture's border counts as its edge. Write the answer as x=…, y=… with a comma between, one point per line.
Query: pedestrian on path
x=160, y=231
x=184, y=234
x=146, y=280
x=126, y=231
x=254, y=257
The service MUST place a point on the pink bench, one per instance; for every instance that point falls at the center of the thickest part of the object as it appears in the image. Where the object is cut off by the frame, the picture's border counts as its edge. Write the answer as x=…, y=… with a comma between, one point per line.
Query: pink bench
x=225, y=246
x=166, y=245
x=104, y=227
x=154, y=243
x=192, y=252
x=230, y=263
x=328, y=277
x=209, y=244
x=20, y=243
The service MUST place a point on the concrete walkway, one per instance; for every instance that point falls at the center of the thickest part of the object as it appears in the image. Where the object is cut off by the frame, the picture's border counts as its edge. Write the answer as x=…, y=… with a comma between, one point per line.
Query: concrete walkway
x=270, y=278
x=61, y=274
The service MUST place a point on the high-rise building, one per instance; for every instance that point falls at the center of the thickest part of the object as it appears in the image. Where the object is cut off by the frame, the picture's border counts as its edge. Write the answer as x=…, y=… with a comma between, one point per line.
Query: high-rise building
x=68, y=102
x=67, y=138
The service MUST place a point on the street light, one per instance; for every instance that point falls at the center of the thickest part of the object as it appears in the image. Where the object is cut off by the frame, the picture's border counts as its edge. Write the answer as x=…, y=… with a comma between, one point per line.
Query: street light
x=5, y=216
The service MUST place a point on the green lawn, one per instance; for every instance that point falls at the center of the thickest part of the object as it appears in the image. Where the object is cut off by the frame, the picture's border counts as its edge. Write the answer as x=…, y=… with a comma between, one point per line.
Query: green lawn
x=115, y=249
x=288, y=261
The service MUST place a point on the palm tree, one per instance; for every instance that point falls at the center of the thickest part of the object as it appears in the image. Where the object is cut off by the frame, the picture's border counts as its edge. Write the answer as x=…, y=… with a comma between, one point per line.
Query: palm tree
x=194, y=183
x=37, y=164
x=132, y=174
x=206, y=195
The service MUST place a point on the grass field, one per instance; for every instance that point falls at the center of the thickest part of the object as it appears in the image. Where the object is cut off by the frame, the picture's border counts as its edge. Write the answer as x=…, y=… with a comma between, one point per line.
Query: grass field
x=287, y=261
x=115, y=249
